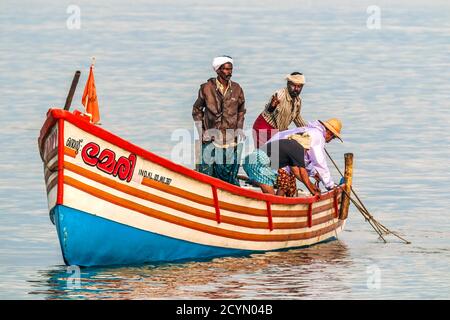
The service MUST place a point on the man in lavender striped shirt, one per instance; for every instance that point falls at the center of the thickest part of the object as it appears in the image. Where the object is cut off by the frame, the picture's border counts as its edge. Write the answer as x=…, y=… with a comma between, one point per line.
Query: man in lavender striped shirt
x=319, y=132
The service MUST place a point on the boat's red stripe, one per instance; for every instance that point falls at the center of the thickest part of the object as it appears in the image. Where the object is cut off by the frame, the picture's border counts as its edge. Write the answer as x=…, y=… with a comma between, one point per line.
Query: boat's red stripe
x=216, y=203
x=54, y=114
x=224, y=205
x=309, y=216
x=214, y=230
x=70, y=152
x=60, y=194
x=269, y=215
x=194, y=211
x=335, y=204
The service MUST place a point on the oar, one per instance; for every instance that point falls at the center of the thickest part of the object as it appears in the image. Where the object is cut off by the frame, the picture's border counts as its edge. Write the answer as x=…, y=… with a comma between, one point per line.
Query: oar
x=76, y=77
x=377, y=226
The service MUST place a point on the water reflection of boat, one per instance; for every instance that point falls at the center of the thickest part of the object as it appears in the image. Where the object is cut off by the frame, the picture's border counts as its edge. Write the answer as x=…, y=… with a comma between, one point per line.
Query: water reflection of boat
x=293, y=274
x=114, y=203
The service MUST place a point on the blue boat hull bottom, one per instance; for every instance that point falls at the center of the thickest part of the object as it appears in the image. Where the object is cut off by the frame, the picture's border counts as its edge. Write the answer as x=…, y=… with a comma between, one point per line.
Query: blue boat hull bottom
x=87, y=240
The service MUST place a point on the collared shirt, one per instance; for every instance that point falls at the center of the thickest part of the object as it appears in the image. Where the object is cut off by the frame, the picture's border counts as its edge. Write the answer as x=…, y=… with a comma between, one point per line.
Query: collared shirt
x=315, y=157
x=217, y=116
x=288, y=110
x=223, y=90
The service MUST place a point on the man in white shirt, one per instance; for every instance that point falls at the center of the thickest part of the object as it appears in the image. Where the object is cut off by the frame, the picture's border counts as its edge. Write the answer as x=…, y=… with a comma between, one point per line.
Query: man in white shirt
x=318, y=133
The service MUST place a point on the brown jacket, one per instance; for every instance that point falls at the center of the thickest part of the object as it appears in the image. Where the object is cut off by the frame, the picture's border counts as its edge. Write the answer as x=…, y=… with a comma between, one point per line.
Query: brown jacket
x=216, y=111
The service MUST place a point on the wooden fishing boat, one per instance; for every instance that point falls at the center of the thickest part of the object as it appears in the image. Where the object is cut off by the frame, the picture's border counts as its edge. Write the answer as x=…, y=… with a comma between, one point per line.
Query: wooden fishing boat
x=114, y=203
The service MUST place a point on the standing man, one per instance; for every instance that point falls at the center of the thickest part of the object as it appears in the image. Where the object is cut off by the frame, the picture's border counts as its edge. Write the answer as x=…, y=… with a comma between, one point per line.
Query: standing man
x=218, y=114
x=283, y=108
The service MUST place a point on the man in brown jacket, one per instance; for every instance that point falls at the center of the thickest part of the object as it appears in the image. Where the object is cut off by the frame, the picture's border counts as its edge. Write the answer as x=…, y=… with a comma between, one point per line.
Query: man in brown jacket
x=218, y=113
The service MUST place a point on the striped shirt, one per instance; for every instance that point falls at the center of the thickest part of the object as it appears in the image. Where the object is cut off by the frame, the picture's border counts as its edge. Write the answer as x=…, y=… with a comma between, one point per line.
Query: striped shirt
x=288, y=110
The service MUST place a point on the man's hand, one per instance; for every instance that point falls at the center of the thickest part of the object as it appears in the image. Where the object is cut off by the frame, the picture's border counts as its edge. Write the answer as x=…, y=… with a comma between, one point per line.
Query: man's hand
x=316, y=191
x=316, y=184
x=301, y=174
x=275, y=102
x=317, y=178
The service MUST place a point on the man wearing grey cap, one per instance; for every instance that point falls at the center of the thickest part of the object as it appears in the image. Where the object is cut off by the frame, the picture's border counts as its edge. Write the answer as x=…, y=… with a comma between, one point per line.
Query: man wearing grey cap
x=218, y=114
x=283, y=108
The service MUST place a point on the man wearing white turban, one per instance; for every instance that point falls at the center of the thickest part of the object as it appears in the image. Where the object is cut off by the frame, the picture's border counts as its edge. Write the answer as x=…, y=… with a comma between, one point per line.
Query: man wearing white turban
x=283, y=108
x=219, y=61
x=218, y=114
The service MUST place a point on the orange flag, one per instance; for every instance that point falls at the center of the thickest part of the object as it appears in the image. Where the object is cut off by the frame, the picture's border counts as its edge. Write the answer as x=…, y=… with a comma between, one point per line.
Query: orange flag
x=89, y=99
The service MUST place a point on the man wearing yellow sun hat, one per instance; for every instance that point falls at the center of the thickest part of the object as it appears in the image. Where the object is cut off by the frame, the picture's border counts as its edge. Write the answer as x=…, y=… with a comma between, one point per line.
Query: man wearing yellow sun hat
x=313, y=138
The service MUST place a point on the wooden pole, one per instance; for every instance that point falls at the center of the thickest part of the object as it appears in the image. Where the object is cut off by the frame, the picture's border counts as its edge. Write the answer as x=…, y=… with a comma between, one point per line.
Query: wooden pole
x=197, y=153
x=76, y=77
x=348, y=177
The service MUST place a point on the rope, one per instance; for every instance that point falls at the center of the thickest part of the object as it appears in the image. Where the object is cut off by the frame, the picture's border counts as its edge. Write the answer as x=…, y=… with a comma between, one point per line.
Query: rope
x=377, y=226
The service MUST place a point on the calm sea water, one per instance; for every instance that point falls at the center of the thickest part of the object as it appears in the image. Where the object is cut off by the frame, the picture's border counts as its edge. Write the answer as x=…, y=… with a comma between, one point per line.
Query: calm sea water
x=390, y=86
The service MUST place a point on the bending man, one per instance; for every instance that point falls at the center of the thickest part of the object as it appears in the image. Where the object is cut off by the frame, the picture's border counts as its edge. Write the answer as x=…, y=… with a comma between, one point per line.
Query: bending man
x=315, y=135
x=262, y=165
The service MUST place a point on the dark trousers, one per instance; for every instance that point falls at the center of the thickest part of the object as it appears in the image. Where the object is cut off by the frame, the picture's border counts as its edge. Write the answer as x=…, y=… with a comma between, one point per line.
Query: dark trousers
x=221, y=163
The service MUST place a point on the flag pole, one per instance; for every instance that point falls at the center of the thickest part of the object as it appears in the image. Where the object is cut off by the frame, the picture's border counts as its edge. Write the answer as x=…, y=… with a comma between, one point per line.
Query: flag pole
x=76, y=77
